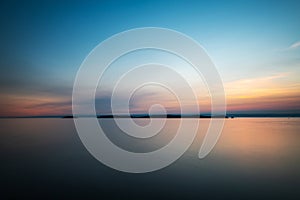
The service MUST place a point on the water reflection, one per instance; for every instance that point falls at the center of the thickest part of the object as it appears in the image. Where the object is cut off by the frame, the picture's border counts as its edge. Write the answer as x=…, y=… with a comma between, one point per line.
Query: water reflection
x=254, y=158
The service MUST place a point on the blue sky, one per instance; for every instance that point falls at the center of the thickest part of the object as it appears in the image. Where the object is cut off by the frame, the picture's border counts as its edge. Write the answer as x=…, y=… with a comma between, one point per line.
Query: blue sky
x=44, y=42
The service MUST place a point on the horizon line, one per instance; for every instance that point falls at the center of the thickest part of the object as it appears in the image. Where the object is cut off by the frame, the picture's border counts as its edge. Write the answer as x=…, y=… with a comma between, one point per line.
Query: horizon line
x=175, y=115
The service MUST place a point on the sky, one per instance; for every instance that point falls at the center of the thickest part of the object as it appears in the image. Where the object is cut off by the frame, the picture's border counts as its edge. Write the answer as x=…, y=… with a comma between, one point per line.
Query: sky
x=255, y=46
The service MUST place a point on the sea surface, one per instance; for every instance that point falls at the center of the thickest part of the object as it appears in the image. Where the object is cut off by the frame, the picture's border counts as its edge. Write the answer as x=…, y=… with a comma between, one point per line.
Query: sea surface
x=255, y=158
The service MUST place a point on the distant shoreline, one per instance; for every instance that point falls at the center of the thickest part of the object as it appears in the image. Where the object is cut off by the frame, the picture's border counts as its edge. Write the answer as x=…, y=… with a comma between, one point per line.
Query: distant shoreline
x=161, y=116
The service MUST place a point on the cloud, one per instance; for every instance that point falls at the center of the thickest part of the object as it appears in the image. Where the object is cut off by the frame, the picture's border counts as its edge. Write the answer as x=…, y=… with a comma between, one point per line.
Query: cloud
x=274, y=92
x=295, y=45
x=258, y=86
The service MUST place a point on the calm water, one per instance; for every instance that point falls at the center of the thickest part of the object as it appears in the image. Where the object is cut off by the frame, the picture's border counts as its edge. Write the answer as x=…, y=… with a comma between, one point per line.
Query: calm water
x=254, y=158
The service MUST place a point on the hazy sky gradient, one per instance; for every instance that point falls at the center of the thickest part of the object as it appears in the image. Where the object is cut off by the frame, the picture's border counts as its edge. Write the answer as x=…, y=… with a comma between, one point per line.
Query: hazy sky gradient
x=254, y=44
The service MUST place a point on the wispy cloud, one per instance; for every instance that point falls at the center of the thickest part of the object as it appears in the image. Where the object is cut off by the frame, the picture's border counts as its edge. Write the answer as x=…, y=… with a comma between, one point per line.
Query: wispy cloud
x=34, y=105
x=295, y=45
x=274, y=92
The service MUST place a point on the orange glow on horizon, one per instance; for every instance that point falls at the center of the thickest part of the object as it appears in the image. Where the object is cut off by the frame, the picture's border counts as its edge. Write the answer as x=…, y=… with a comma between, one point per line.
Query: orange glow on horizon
x=278, y=93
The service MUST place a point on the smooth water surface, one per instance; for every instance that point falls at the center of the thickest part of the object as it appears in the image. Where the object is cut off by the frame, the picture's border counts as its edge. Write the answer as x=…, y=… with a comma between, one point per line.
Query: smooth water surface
x=254, y=158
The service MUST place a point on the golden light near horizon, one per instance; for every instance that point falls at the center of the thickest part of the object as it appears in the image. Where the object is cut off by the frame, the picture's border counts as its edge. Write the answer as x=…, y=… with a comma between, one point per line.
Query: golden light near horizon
x=279, y=91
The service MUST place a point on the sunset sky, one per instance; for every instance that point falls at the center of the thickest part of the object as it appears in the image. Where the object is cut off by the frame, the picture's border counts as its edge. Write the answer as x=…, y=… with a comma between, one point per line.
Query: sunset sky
x=255, y=46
